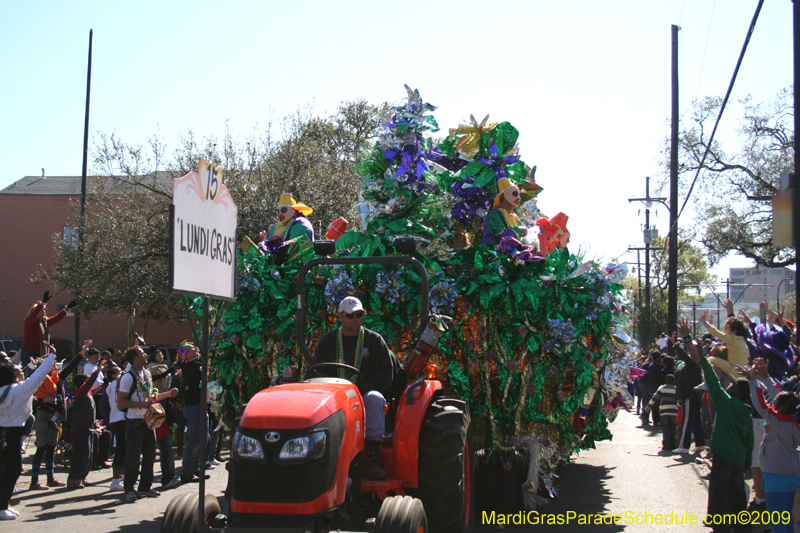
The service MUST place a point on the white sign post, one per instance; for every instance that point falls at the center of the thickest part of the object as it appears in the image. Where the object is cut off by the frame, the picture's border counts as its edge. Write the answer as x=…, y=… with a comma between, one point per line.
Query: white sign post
x=203, y=260
x=203, y=232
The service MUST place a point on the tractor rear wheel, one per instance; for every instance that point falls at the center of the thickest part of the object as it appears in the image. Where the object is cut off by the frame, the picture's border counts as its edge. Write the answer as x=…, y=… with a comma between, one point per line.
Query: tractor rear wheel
x=447, y=467
x=401, y=514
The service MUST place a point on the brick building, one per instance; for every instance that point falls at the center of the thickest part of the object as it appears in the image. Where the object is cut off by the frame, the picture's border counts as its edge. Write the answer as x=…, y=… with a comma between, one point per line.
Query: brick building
x=32, y=211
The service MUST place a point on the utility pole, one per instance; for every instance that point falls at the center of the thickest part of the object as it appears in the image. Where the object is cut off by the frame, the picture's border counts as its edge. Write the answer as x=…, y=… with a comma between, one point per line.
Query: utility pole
x=638, y=302
x=649, y=234
x=796, y=205
x=639, y=273
x=672, y=283
x=639, y=266
x=77, y=319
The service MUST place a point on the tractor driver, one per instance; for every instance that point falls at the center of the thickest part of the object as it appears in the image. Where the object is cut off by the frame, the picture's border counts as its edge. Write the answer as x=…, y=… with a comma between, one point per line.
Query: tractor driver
x=355, y=345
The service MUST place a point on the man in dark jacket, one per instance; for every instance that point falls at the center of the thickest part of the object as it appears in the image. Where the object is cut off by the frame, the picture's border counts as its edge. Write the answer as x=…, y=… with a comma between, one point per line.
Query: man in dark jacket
x=191, y=374
x=690, y=376
x=82, y=424
x=359, y=347
x=653, y=380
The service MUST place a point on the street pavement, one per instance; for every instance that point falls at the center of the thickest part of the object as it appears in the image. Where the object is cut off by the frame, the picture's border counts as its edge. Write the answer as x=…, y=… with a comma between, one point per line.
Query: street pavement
x=95, y=509
x=628, y=474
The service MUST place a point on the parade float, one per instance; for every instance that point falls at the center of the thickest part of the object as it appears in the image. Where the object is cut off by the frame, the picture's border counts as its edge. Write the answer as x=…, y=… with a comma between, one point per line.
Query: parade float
x=535, y=347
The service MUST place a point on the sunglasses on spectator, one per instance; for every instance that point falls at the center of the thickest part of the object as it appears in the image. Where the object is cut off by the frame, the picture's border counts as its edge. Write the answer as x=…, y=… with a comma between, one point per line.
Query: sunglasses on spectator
x=357, y=314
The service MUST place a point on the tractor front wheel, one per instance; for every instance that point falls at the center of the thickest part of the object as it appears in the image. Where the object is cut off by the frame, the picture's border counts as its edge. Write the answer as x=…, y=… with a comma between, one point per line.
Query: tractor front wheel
x=181, y=513
x=447, y=467
x=401, y=514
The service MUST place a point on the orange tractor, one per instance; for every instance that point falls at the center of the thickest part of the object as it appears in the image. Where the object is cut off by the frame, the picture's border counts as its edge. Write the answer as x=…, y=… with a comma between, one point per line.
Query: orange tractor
x=296, y=456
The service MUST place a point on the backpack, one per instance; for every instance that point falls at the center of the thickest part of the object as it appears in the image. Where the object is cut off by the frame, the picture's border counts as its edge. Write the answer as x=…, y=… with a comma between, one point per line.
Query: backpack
x=130, y=393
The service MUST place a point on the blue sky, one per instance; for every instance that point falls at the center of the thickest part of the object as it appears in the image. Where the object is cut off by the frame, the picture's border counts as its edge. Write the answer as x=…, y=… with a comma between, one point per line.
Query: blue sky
x=586, y=83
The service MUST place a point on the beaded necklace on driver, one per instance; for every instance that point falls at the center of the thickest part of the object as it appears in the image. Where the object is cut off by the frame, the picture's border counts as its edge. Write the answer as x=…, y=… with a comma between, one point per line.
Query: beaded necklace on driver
x=340, y=352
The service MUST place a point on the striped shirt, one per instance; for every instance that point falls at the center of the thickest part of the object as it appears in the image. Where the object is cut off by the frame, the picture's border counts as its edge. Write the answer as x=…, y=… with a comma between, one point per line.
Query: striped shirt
x=669, y=400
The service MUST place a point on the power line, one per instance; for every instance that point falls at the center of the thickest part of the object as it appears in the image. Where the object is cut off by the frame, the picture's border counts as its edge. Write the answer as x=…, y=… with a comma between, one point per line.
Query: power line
x=705, y=50
x=724, y=103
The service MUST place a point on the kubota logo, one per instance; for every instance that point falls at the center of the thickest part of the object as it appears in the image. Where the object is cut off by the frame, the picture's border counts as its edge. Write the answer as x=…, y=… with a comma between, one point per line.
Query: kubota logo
x=273, y=436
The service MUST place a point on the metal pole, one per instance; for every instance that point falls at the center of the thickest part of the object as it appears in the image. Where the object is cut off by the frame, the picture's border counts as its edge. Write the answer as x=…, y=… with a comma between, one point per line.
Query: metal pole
x=205, y=341
x=76, y=336
x=639, y=274
x=647, y=251
x=672, y=302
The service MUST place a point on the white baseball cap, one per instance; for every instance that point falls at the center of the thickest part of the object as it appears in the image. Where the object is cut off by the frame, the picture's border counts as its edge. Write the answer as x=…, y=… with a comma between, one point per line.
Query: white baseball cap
x=350, y=304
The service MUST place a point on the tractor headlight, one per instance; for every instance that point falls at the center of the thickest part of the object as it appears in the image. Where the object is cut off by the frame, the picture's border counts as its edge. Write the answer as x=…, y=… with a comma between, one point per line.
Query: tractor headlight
x=308, y=447
x=247, y=447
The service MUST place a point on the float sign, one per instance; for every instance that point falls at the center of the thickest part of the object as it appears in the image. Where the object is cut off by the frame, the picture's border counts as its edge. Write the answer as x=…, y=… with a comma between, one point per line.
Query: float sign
x=203, y=235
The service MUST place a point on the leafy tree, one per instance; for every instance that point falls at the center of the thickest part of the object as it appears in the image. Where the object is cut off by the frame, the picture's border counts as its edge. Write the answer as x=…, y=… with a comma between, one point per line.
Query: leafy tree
x=124, y=265
x=735, y=187
x=314, y=158
x=789, y=305
x=125, y=260
x=651, y=317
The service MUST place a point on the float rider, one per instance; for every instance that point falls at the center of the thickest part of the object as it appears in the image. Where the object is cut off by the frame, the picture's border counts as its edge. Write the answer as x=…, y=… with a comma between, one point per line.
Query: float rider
x=291, y=227
x=503, y=216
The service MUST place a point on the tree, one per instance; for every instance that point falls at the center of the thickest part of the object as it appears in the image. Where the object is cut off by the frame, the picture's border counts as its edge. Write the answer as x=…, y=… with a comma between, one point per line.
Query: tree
x=124, y=265
x=313, y=157
x=651, y=317
x=735, y=188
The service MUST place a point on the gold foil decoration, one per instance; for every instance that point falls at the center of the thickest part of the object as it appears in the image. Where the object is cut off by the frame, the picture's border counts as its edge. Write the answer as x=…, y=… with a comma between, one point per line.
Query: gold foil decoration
x=469, y=134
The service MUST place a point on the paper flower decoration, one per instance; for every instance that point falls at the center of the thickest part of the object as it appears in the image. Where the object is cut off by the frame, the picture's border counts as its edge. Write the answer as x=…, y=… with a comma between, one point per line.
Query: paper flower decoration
x=339, y=286
x=442, y=297
x=561, y=336
x=390, y=287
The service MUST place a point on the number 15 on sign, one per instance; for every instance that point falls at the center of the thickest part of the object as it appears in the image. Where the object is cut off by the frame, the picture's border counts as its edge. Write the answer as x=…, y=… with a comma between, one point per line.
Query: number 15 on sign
x=210, y=180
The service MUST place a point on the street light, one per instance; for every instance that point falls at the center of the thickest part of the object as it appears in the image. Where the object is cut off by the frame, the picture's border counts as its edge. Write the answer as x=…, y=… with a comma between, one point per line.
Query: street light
x=778, y=294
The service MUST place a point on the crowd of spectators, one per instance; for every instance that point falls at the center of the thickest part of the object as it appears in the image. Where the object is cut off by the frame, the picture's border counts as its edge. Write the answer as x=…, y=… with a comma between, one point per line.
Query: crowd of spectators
x=94, y=408
x=733, y=392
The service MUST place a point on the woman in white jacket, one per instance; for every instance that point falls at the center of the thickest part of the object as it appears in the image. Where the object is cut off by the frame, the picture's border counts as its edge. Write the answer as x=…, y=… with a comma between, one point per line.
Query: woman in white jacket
x=16, y=397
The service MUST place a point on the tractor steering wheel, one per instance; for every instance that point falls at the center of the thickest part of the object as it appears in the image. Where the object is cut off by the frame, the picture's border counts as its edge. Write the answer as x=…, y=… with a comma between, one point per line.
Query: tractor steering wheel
x=316, y=369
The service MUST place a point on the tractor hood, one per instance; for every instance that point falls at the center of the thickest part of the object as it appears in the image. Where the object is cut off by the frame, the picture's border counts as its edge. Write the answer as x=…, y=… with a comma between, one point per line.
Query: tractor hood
x=298, y=405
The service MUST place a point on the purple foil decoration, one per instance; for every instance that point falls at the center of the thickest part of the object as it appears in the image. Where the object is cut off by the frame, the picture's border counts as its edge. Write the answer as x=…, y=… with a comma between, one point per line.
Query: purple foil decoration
x=470, y=203
x=498, y=163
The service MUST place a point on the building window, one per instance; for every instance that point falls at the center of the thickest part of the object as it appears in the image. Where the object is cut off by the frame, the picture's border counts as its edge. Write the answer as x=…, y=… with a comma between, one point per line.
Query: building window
x=69, y=236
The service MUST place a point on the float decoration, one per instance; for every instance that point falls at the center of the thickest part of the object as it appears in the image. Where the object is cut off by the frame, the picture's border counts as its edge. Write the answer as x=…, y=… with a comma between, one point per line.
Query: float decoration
x=532, y=348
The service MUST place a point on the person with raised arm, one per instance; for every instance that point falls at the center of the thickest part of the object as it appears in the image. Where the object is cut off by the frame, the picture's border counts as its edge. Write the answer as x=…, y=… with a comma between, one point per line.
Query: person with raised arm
x=731, y=442
x=16, y=398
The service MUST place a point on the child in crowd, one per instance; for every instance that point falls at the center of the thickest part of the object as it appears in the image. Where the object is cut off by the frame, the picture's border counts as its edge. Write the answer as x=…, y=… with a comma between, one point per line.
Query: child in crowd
x=734, y=335
x=780, y=462
x=668, y=411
